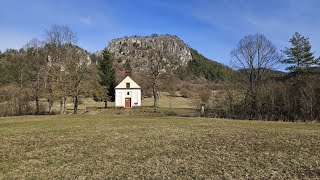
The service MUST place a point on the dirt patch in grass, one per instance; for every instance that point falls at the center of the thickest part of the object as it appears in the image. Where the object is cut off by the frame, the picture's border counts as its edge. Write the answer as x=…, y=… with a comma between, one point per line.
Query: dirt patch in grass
x=111, y=145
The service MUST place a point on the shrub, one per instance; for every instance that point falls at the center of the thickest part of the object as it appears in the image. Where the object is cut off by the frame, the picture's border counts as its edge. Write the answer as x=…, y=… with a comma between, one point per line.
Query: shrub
x=15, y=101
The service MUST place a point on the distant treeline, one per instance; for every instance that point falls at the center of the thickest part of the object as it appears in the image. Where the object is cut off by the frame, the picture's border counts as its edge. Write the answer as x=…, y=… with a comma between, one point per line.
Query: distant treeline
x=290, y=97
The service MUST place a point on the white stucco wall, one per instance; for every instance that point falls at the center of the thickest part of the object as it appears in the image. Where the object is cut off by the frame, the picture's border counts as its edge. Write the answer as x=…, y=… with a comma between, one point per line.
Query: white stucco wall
x=122, y=94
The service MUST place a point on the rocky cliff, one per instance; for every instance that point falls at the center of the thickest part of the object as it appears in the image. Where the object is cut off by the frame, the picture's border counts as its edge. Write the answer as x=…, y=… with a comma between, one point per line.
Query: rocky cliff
x=136, y=49
x=183, y=59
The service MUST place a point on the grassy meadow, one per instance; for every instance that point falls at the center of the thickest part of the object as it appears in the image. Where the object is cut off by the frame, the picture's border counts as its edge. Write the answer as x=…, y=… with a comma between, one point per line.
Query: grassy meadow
x=120, y=144
x=164, y=102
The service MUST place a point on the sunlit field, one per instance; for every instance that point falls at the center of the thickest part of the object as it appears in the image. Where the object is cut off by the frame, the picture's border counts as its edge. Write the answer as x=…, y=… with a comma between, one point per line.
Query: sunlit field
x=124, y=144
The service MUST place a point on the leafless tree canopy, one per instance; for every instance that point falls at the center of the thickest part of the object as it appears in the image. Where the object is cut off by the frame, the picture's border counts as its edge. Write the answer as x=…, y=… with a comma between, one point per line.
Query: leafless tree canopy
x=35, y=73
x=33, y=44
x=254, y=55
x=59, y=35
x=59, y=41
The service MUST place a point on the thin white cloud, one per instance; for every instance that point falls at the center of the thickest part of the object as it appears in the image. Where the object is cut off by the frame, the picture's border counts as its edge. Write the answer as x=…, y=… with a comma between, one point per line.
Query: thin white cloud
x=86, y=20
x=238, y=20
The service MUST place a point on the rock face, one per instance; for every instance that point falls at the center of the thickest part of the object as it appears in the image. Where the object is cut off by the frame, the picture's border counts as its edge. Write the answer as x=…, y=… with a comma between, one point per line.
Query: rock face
x=137, y=50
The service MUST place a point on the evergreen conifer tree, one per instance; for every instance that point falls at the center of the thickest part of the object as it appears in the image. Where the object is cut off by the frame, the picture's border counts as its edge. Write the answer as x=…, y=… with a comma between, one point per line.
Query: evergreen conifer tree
x=299, y=55
x=107, y=75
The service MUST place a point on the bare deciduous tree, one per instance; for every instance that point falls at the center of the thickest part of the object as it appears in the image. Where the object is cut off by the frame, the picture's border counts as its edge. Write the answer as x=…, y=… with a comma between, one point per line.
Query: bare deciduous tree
x=57, y=40
x=77, y=73
x=35, y=64
x=255, y=55
x=156, y=66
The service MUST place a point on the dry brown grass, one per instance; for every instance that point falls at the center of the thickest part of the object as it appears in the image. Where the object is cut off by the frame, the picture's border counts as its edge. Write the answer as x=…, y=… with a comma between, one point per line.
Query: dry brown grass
x=113, y=145
x=165, y=101
x=168, y=101
x=176, y=102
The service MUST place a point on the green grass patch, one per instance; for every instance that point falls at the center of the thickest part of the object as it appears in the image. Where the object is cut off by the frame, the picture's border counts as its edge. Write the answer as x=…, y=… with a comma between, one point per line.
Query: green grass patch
x=119, y=145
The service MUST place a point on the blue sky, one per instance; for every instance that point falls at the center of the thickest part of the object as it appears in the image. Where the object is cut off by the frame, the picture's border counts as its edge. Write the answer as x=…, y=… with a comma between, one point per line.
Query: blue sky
x=211, y=27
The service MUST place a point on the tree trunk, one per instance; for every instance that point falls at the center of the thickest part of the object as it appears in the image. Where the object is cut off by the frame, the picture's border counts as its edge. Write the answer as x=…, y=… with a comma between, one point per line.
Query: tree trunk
x=20, y=103
x=50, y=92
x=19, y=108
x=106, y=103
x=155, y=98
x=64, y=105
x=76, y=102
x=63, y=108
x=37, y=106
x=37, y=94
x=50, y=104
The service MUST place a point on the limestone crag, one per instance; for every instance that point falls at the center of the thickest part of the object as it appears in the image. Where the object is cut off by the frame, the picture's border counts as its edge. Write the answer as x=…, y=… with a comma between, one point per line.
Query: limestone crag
x=138, y=50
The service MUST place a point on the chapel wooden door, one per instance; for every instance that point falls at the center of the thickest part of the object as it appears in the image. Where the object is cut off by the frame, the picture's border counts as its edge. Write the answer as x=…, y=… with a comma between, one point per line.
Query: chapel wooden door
x=128, y=103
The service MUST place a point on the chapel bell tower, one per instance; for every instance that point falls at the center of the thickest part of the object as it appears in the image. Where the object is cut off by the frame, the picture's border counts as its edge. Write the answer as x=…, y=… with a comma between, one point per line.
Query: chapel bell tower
x=127, y=69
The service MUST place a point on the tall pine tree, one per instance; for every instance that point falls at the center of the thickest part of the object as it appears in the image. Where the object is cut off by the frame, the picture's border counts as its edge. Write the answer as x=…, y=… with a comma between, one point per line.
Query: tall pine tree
x=107, y=75
x=299, y=55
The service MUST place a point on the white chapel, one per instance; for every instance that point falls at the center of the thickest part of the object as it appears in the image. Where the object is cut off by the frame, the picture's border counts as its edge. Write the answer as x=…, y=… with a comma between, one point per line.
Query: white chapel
x=127, y=92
